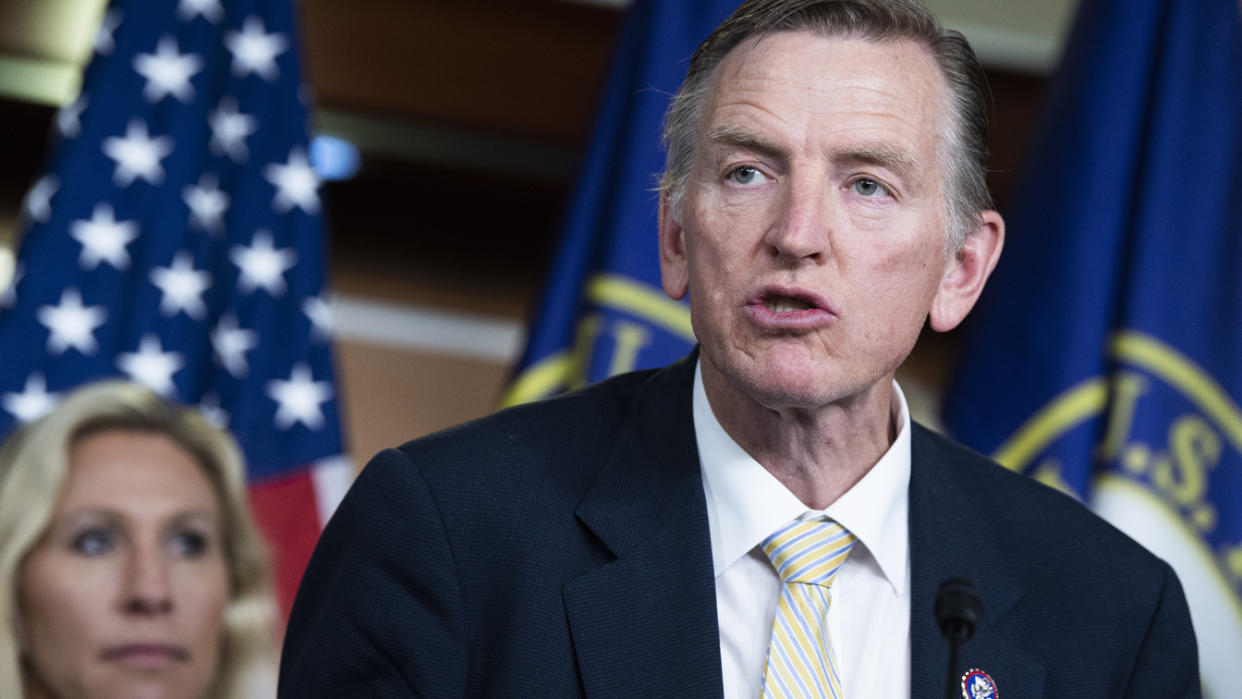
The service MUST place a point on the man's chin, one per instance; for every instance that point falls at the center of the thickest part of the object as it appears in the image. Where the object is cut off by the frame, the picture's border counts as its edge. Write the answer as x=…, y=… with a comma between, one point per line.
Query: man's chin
x=776, y=379
x=785, y=390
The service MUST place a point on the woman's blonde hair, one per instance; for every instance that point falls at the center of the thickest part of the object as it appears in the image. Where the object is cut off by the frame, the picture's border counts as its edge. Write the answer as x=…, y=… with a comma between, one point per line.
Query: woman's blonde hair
x=34, y=465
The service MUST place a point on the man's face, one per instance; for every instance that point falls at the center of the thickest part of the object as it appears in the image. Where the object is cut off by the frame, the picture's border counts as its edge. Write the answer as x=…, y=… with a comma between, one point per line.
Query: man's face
x=811, y=233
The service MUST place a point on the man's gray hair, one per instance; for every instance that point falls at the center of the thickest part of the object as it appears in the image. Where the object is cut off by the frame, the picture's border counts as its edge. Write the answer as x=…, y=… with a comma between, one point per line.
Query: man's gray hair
x=963, y=146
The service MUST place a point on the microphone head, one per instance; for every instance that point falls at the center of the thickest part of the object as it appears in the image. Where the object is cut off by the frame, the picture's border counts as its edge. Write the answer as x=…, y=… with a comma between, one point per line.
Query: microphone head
x=958, y=609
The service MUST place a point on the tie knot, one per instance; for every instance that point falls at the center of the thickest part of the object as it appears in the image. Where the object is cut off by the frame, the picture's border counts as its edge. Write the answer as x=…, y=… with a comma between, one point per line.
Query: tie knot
x=809, y=551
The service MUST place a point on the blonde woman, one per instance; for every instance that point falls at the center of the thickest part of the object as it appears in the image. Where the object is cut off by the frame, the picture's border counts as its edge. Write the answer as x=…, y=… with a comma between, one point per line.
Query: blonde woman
x=129, y=562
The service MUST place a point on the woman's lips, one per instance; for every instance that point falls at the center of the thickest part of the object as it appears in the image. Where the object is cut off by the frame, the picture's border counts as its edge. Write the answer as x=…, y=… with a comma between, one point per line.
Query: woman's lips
x=146, y=655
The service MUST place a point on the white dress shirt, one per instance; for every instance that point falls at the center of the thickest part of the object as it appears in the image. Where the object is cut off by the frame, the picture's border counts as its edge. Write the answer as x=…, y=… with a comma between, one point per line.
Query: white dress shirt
x=869, y=618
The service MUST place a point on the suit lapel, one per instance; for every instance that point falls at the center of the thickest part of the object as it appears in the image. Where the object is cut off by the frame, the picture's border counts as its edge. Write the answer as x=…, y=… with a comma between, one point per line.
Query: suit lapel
x=950, y=536
x=645, y=623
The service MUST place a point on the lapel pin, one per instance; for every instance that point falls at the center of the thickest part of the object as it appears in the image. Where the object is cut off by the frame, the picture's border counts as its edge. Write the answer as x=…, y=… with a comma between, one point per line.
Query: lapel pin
x=977, y=684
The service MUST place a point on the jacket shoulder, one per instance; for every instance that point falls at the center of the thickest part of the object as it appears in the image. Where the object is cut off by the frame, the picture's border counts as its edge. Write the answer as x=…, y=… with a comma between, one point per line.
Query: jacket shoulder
x=1041, y=525
x=533, y=435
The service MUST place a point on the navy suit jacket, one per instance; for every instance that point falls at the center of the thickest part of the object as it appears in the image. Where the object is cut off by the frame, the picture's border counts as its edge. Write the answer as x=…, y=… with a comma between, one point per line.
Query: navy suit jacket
x=561, y=549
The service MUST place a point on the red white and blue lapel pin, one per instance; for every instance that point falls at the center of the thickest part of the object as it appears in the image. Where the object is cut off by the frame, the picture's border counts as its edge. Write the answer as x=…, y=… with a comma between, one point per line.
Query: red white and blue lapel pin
x=977, y=684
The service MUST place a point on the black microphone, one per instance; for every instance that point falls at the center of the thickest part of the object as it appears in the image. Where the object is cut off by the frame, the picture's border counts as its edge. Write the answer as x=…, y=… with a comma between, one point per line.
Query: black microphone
x=958, y=610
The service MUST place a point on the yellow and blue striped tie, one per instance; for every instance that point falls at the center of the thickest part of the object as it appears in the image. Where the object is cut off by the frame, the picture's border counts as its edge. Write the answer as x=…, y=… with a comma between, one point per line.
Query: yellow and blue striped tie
x=807, y=556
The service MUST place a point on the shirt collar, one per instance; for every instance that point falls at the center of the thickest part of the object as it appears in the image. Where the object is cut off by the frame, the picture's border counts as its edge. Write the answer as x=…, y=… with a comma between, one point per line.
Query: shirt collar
x=746, y=503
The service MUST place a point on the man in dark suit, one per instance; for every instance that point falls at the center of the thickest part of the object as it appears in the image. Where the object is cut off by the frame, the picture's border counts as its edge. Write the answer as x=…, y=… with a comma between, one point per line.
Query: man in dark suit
x=650, y=535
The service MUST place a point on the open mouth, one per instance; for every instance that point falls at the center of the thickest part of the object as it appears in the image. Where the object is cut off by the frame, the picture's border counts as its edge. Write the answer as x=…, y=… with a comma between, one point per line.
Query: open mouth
x=789, y=309
x=786, y=304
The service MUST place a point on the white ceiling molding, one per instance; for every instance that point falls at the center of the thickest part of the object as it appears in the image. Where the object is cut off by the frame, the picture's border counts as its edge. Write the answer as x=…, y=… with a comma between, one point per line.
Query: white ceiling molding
x=411, y=327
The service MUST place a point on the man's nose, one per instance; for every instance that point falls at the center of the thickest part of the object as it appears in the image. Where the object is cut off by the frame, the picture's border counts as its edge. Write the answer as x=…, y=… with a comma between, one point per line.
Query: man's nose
x=148, y=584
x=800, y=232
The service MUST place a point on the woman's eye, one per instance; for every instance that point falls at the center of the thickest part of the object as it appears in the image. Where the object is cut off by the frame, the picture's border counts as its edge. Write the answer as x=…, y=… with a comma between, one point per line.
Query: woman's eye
x=746, y=175
x=189, y=544
x=868, y=187
x=93, y=542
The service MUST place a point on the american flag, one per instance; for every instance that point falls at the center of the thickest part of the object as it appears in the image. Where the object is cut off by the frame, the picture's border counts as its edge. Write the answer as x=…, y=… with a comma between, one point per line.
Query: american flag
x=176, y=238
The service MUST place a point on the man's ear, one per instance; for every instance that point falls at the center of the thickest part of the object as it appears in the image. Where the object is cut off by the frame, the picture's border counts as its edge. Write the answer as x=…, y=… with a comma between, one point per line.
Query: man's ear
x=967, y=272
x=674, y=268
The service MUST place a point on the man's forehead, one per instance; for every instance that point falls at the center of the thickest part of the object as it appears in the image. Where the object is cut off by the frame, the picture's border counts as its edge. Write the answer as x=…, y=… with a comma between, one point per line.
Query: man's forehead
x=798, y=50
x=791, y=75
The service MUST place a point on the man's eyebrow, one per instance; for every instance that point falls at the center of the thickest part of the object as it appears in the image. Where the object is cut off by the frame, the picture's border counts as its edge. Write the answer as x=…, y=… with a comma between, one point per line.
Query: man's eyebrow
x=742, y=138
x=878, y=155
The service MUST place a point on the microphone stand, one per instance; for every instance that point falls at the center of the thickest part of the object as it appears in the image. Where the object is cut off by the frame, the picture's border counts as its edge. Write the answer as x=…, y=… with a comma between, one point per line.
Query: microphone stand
x=958, y=610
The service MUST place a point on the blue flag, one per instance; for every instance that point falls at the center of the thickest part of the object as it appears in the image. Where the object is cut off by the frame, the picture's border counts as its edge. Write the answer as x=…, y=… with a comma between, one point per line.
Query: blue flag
x=603, y=311
x=1106, y=355
x=176, y=239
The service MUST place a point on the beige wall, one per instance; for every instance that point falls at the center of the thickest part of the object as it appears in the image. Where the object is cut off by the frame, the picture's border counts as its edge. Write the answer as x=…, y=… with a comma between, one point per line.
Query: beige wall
x=390, y=395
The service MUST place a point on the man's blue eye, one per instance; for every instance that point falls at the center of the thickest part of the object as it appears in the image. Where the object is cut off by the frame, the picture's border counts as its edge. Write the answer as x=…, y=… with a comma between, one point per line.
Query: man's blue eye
x=93, y=542
x=867, y=187
x=745, y=175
